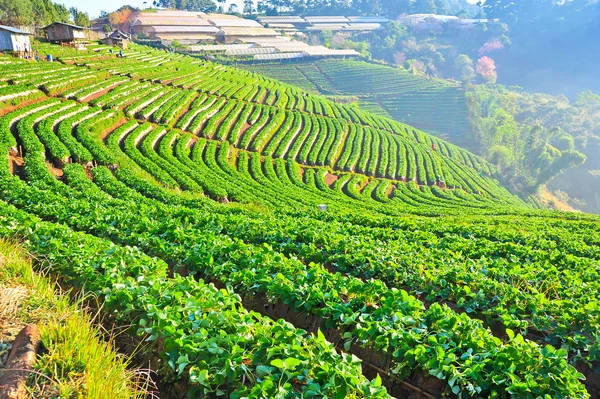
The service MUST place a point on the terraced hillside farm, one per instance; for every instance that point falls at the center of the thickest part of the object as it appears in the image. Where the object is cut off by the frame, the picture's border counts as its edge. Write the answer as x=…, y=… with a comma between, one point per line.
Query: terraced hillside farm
x=433, y=105
x=188, y=196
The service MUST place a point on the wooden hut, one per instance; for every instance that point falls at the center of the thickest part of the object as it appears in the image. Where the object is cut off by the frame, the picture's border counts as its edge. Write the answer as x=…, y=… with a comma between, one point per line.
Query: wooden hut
x=117, y=38
x=59, y=32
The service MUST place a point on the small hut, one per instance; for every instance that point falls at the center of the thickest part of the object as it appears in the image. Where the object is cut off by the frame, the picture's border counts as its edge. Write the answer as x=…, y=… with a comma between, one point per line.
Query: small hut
x=117, y=38
x=13, y=39
x=59, y=32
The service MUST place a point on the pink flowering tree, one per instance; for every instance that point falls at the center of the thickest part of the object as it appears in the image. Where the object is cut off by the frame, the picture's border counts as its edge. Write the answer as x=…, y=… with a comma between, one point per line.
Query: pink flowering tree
x=486, y=68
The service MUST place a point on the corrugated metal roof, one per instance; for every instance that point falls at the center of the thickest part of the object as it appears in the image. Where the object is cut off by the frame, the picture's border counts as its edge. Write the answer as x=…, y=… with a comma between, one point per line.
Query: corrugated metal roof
x=14, y=30
x=240, y=31
x=251, y=51
x=187, y=40
x=219, y=47
x=286, y=56
x=288, y=19
x=290, y=47
x=189, y=36
x=221, y=16
x=282, y=26
x=171, y=13
x=380, y=20
x=332, y=27
x=263, y=41
x=326, y=19
x=362, y=27
x=185, y=29
x=171, y=22
x=62, y=23
x=222, y=22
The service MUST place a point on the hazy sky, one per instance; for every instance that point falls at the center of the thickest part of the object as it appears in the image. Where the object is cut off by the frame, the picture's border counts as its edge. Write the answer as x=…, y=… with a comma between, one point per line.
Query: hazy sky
x=93, y=7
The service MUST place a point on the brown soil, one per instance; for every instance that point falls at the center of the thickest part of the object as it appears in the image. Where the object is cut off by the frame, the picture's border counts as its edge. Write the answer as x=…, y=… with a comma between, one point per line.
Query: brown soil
x=245, y=127
x=58, y=173
x=363, y=184
x=100, y=93
x=6, y=110
x=390, y=190
x=191, y=143
x=330, y=179
x=114, y=127
x=183, y=112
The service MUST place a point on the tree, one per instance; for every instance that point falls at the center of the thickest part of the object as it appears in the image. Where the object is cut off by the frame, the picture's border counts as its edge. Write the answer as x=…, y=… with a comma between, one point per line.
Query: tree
x=233, y=9
x=189, y=5
x=399, y=58
x=442, y=7
x=423, y=7
x=79, y=17
x=464, y=67
x=500, y=156
x=16, y=12
x=486, y=67
x=490, y=46
x=248, y=7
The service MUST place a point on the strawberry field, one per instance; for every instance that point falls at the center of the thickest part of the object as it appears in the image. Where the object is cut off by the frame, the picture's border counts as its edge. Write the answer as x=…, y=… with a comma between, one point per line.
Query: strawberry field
x=184, y=194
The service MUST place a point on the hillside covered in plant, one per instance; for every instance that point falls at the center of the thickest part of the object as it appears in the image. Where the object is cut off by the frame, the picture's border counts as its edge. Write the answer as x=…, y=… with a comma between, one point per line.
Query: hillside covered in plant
x=188, y=196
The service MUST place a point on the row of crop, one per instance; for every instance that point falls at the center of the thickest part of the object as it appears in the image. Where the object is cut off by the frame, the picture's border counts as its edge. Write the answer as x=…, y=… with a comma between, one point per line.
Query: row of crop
x=130, y=147
x=251, y=354
x=308, y=142
x=222, y=115
x=246, y=137
x=248, y=117
x=206, y=114
x=289, y=129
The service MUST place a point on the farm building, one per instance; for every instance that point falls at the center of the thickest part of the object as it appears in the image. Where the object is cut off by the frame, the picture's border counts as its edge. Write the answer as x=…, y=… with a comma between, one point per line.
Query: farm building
x=296, y=24
x=145, y=22
x=12, y=39
x=59, y=32
x=117, y=38
x=188, y=35
x=229, y=35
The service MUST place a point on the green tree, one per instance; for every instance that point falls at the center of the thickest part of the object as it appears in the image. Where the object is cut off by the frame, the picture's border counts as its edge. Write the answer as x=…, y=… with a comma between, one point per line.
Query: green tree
x=189, y=5
x=248, y=7
x=423, y=7
x=463, y=65
x=16, y=12
x=80, y=18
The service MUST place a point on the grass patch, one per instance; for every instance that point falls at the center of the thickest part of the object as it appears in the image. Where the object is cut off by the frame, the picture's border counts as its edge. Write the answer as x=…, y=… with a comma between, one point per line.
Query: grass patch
x=76, y=361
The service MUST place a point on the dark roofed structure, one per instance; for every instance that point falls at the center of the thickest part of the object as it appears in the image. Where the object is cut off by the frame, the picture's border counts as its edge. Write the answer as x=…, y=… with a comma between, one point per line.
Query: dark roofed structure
x=61, y=32
x=117, y=38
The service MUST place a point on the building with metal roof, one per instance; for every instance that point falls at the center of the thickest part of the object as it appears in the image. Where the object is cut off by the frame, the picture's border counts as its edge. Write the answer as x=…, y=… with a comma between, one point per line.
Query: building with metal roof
x=250, y=51
x=274, y=57
x=282, y=19
x=60, y=32
x=218, y=47
x=230, y=22
x=13, y=39
x=229, y=35
x=184, y=29
x=369, y=20
x=330, y=27
x=362, y=27
x=327, y=20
